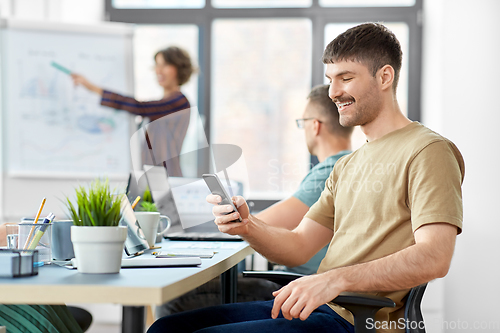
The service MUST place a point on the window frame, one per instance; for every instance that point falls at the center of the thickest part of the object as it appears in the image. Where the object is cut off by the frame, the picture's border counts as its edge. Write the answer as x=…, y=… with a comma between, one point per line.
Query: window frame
x=319, y=16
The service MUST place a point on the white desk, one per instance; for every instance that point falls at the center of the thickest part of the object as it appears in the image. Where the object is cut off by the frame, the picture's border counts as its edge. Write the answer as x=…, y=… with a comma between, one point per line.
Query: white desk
x=132, y=287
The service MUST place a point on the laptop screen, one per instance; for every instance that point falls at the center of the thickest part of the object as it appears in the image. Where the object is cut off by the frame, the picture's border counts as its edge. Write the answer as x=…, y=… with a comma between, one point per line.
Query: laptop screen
x=161, y=192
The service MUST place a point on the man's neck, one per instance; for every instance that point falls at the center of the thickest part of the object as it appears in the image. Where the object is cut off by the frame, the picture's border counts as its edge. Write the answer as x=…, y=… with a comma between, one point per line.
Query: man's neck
x=331, y=147
x=389, y=120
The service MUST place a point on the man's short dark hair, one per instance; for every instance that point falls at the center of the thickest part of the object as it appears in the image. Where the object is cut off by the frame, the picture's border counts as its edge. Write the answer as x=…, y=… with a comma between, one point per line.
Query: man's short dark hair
x=327, y=111
x=180, y=59
x=371, y=44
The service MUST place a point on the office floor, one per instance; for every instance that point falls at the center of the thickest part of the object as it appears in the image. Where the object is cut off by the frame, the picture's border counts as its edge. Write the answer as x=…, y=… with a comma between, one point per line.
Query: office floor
x=106, y=318
x=104, y=328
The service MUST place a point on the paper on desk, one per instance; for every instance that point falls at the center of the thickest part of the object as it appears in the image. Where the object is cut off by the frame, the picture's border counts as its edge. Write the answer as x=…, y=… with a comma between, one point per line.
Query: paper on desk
x=205, y=245
x=144, y=261
x=202, y=253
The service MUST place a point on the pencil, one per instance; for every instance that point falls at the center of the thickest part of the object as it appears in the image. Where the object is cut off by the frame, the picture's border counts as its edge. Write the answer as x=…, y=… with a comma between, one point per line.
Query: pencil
x=35, y=221
x=41, y=231
x=136, y=201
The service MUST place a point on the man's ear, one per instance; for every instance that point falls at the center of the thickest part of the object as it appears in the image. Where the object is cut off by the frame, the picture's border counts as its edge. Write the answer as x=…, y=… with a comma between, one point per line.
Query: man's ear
x=316, y=126
x=386, y=77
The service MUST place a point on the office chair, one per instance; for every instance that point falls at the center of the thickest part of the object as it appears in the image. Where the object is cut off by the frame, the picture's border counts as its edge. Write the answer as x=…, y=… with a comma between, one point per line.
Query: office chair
x=362, y=306
x=82, y=317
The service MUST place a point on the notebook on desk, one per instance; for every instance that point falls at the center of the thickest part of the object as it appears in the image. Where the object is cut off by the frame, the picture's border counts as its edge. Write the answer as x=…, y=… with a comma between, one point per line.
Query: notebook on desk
x=183, y=200
x=145, y=260
x=148, y=260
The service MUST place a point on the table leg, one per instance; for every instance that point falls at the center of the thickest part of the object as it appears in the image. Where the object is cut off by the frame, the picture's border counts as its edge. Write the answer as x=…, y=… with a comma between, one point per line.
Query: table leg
x=133, y=320
x=229, y=285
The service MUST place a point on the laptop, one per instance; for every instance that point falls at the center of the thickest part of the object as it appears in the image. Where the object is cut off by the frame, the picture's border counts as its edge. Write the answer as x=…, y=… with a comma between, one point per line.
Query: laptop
x=183, y=200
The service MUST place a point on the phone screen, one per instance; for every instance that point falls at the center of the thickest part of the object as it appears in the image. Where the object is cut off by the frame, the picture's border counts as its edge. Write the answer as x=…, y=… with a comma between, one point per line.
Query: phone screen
x=215, y=186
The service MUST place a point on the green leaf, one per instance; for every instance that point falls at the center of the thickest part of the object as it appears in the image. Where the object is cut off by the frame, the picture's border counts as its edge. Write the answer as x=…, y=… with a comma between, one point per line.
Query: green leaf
x=146, y=197
x=148, y=207
x=95, y=205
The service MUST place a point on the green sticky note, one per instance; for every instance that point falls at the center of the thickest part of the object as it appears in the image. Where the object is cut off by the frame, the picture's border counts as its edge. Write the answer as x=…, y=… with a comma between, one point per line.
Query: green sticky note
x=61, y=68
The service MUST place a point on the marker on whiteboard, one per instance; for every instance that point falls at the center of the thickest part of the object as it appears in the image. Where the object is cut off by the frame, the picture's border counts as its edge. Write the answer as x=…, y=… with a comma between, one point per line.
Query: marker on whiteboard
x=61, y=68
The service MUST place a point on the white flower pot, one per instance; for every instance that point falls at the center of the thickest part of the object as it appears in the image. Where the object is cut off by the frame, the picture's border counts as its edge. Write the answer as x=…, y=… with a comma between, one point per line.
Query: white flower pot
x=98, y=249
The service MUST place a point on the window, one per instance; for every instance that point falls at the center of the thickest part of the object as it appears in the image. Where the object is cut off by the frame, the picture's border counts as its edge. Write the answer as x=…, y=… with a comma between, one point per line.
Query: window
x=261, y=3
x=158, y=3
x=260, y=82
x=366, y=3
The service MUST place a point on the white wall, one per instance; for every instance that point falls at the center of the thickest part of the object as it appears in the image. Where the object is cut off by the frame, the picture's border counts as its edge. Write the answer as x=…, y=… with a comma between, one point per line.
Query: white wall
x=461, y=82
x=86, y=11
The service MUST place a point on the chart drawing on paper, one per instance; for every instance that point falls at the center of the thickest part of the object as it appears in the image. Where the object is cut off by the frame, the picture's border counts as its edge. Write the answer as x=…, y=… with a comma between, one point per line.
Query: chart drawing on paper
x=53, y=127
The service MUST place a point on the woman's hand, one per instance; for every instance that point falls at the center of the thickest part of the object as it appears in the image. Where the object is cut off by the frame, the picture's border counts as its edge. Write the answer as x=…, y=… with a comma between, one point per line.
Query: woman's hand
x=82, y=80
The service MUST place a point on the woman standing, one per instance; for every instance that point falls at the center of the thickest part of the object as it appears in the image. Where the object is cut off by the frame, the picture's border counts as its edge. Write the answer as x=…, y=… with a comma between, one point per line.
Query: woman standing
x=164, y=135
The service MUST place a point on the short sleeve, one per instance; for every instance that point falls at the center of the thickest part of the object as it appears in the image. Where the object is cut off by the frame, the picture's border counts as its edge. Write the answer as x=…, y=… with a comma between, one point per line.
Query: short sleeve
x=312, y=185
x=323, y=210
x=434, y=185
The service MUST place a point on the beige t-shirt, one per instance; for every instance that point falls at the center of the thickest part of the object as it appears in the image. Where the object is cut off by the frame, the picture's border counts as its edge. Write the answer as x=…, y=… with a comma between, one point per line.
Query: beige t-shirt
x=376, y=197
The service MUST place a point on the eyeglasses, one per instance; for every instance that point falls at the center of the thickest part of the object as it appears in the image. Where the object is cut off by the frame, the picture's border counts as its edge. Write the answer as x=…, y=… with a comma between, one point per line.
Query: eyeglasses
x=300, y=122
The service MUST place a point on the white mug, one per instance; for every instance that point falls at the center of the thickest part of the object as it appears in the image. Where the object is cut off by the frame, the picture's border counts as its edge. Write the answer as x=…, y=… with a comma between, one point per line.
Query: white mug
x=149, y=222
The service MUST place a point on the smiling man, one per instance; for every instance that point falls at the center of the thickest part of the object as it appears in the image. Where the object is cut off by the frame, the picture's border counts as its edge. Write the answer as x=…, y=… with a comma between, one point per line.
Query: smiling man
x=390, y=211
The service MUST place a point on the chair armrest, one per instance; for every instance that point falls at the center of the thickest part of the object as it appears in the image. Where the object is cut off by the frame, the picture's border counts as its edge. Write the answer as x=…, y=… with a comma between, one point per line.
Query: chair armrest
x=362, y=306
x=281, y=278
x=347, y=298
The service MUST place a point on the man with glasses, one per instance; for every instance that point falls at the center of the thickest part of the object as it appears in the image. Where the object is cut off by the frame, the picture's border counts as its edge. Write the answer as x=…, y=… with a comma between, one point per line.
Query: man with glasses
x=328, y=141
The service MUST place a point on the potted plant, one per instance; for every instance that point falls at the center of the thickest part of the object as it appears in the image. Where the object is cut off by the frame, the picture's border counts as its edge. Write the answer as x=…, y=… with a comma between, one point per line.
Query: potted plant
x=96, y=235
x=147, y=204
x=148, y=207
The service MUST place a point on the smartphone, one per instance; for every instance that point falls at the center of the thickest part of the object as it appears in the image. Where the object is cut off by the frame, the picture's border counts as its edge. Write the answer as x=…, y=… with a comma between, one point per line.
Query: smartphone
x=215, y=186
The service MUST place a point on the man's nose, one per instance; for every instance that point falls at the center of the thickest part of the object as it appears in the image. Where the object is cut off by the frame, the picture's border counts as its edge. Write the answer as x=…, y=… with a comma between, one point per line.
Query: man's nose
x=334, y=91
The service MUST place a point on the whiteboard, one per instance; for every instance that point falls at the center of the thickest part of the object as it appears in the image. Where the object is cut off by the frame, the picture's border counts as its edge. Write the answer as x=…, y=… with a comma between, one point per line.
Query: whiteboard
x=51, y=128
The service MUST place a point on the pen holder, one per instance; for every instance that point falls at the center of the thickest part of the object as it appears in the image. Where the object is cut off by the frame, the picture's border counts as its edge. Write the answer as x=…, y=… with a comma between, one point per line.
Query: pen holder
x=15, y=263
x=43, y=247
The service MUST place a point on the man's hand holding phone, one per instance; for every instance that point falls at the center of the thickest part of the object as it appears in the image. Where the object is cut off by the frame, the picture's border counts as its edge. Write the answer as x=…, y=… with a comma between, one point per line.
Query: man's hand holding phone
x=225, y=216
x=230, y=213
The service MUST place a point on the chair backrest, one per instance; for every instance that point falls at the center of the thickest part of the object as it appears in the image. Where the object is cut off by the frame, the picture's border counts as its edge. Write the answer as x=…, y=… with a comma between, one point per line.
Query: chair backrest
x=413, y=313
